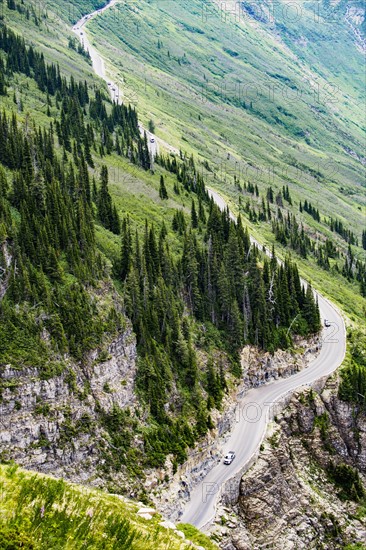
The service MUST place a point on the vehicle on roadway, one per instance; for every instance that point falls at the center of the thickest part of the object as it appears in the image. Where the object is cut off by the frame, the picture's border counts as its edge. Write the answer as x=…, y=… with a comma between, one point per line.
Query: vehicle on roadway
x=152, y=140
x=326, y=323
x=229, y=457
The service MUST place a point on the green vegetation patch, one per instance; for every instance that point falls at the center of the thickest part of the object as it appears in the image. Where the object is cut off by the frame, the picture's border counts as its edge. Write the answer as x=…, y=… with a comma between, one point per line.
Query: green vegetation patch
x=40, y=512
x=353, y=383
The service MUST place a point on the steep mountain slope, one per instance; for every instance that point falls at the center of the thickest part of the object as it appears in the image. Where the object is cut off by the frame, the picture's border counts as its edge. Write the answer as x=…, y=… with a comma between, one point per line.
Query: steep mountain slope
x=296, y=91
x=305, y=489
x=125, y=294
x=266, y=95
x=193, y=288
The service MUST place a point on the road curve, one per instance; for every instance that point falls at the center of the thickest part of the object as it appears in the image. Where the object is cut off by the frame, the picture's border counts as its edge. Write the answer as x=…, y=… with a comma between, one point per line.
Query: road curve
x=257, y=407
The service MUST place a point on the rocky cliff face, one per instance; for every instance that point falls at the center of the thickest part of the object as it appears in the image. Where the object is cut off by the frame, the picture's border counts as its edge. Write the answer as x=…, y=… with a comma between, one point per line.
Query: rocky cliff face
x=305, y=491
x=258, y=368
x=53, y=425
x=261, y=368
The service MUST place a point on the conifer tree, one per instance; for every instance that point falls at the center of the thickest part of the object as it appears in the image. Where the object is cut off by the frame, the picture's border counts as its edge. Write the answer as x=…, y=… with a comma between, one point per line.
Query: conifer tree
x=270, y=196
x=107, y=212
x=116, y=222
x=126, y=250
x=163, y=194
x=311, y=310
x=201, y=211
x=194, y=218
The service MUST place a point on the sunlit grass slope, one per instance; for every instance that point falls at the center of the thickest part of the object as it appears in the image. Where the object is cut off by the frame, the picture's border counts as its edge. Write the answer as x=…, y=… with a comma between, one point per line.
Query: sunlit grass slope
x=41, y=512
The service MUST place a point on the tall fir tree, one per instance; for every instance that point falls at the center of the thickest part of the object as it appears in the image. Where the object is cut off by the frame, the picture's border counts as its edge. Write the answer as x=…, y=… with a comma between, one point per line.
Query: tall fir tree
x=163, y=193
x=194, y=217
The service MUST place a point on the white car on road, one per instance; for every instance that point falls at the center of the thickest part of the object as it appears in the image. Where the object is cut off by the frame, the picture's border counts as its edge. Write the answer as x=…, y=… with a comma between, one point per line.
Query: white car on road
x=229, y=457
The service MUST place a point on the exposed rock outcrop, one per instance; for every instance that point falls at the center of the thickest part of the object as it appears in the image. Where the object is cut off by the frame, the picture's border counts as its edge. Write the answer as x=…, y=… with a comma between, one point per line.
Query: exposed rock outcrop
x=289, y=499
x=258, y=368
x=261, y=368
x=52, y=425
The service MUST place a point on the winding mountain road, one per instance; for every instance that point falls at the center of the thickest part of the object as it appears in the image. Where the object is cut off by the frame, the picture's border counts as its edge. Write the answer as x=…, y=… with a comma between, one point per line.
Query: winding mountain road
x=115, y=88
x=256, y=407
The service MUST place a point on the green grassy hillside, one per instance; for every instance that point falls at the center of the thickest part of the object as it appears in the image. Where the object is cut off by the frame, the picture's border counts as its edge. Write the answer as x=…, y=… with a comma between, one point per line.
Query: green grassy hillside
x=41, y=512
x=190, y=60
x=267, y=98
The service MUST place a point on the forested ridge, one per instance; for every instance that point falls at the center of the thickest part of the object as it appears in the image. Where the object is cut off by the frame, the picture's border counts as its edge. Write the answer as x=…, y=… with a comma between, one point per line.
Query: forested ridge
x=50, y=243
x=217, y=291
x=222, y=284
x=294, y=233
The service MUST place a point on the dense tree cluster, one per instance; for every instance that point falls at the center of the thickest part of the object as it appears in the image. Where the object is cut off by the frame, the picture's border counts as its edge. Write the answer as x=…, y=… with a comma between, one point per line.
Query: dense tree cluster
x=118, y=130
x=220, y=282
x=251, y=188
x=289, y=232
x=78, y=47
x=310, y=209
x=353, y=384
x=107, y=211
x=347, y=234
x=260, y=214
x=23, y=59
x=48, y=252
x=186, y=173
x=353, y=268
x=286, y=194
x=54, y=236
x=179, y=222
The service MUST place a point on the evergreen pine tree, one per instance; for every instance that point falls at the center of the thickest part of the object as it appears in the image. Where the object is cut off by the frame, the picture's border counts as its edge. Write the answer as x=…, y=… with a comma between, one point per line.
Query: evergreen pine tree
x=163, y=194
x=194, y=218
x=107, y=212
